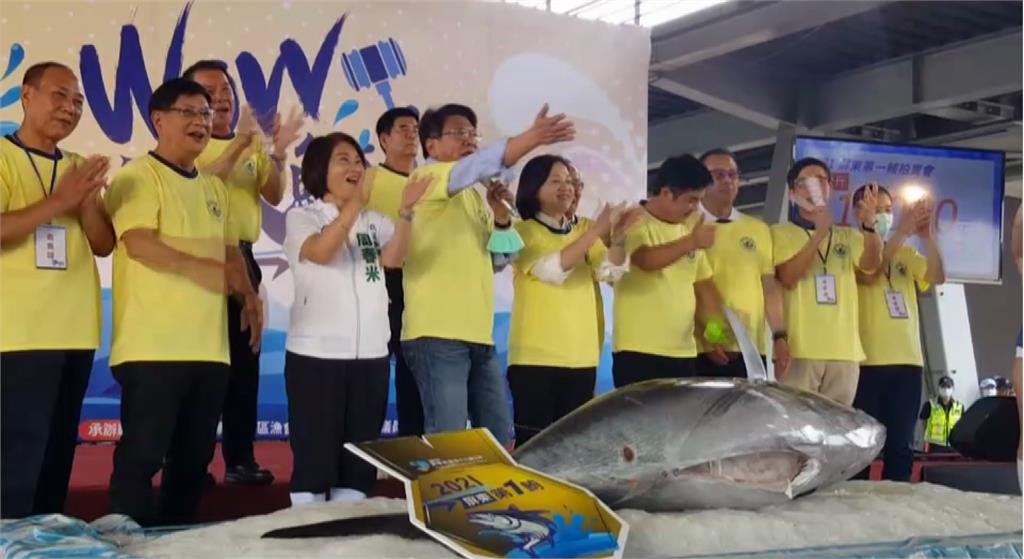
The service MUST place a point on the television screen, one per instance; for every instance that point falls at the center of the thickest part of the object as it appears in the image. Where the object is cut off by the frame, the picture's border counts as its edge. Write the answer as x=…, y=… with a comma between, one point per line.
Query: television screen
x=966, y=188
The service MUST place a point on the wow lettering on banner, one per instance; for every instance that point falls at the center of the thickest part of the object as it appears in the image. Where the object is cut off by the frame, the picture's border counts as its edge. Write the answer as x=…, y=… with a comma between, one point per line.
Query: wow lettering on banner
x=343, y=64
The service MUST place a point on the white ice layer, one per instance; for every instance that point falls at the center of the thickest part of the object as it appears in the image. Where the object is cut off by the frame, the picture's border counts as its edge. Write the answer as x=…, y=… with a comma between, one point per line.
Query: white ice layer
x=849, y=513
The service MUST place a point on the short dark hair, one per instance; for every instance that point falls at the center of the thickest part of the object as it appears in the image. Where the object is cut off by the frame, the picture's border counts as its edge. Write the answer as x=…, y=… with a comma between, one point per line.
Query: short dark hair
x=318, y=157
x=387, y=120
x=535, y=173
x=716, y=151
x=205, y=65
x=35, y=72
x=432, y=121
x=171, y=90
x=682, y=173
x=858, y=194
x=799, y=166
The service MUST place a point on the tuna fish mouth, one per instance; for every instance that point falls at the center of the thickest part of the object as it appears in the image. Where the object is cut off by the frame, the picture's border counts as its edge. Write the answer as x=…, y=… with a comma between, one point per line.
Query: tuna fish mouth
x=775, y=471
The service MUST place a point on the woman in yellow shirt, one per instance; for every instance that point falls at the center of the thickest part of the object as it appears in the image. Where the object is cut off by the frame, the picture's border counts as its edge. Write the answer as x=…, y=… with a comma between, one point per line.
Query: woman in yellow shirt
x=553, y=338
x=890, y=375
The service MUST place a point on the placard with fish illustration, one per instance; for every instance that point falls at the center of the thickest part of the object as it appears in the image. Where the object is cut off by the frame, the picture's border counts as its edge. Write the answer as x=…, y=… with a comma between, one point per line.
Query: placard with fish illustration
x=465, y=491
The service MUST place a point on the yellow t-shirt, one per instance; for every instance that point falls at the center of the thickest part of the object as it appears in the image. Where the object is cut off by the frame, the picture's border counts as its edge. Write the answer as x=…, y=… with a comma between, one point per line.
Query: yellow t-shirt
x=247, y=178
x=822, y=331
x=554, y=325
x=163, y=316
x=597, y=294
x=448, y=276
x=386, y=192
x=654, y=311
x=887, y=340
x=44, y=309
x=741, y=255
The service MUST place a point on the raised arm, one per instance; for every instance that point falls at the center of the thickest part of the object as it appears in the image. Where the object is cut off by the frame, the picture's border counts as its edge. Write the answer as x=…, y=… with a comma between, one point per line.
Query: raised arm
x=654, y=258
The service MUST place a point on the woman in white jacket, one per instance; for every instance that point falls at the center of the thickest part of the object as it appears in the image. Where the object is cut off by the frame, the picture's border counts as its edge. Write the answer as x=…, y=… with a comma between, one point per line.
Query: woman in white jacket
x=336, y=365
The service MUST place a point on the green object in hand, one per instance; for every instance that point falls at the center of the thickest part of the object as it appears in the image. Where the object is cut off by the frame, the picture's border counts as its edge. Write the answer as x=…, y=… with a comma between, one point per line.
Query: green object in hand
x=715, y=332
x=504, y=241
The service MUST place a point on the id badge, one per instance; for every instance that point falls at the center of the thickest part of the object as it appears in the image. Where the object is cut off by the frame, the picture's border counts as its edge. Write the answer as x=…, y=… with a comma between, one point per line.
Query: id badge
x=825, y=289
x=51, y=247
x=896, y=303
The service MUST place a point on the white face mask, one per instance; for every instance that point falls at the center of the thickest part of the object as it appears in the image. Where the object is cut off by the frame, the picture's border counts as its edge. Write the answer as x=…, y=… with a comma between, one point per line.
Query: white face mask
x=883, y=223
x=986, y=392
x=945, y=393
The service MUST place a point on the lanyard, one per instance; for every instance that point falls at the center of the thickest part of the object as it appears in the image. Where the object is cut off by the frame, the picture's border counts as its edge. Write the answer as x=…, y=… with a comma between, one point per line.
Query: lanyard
x=828, y=250
x=888, y=274
x=32, y=161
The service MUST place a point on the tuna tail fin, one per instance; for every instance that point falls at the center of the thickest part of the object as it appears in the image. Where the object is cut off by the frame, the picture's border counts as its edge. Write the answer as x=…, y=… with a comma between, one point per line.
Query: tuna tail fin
x=390, y=524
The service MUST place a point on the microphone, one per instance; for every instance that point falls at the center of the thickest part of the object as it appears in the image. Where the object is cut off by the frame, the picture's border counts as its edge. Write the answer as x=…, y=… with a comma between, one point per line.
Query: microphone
x=375, y=65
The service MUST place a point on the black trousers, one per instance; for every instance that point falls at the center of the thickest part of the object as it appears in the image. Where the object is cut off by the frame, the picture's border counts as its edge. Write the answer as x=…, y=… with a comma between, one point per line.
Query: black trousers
x=892, y=395
x=239, y=413
x=630, y=367
x=169, y=414
x=407, y=395
x=239, y=406
x=332, y=402
x=735, y=368
x=543, y=395
x=41, y=396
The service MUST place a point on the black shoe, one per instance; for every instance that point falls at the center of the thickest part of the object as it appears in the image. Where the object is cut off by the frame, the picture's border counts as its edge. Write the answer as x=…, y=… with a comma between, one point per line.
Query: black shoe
x=250, y=474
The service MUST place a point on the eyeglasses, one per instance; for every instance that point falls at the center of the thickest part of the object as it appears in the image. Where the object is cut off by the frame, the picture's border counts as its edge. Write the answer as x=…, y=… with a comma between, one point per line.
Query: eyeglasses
x=723, y=174
x=192, y=114
x=462, y=134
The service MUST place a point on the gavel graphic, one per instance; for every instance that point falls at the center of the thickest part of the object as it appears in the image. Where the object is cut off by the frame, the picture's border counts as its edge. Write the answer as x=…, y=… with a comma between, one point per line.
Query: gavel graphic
x=375, y=65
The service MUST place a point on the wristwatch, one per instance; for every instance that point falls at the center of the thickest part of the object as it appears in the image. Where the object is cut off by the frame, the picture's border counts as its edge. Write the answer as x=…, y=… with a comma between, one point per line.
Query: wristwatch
x=406, y=214
x=780, y=335
x=867, y=229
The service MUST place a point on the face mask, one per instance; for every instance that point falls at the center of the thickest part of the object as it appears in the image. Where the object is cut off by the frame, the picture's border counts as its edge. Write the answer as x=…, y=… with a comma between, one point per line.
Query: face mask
x=946, y=393
x=986, y=392
x=883, y=222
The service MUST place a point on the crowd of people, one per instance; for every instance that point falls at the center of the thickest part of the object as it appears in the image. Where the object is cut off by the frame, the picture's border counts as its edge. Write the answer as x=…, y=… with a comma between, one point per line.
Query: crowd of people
x=396, y=261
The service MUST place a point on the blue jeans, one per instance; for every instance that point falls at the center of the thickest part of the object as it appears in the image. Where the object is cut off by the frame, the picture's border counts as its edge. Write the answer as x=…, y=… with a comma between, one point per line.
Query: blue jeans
x=459, y=381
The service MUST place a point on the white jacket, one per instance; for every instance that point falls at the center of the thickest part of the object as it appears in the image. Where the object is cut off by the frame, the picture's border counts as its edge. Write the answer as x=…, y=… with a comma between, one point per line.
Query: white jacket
x=341, y=308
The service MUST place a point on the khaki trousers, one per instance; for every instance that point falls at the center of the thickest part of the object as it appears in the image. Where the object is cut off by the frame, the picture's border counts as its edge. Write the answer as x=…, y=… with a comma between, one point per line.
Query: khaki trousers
x=833, y=379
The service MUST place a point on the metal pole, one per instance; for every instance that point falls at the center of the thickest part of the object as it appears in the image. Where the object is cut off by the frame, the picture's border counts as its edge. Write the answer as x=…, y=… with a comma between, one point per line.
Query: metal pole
x=775, y=207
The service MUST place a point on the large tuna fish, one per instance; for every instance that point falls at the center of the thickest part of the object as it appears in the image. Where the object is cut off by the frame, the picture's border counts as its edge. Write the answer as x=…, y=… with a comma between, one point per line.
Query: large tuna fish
x=669, y=445
x=672, y=445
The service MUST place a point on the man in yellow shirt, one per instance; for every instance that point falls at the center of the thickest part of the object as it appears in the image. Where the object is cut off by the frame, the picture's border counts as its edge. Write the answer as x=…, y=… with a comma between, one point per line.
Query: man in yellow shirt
x=667, y=297
x=398, y=135
x=815, y=262
x=241, y=160
x=51, y=225
x=742, y=269
x=176, y=258
x=457, y=243
x=890, y=375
